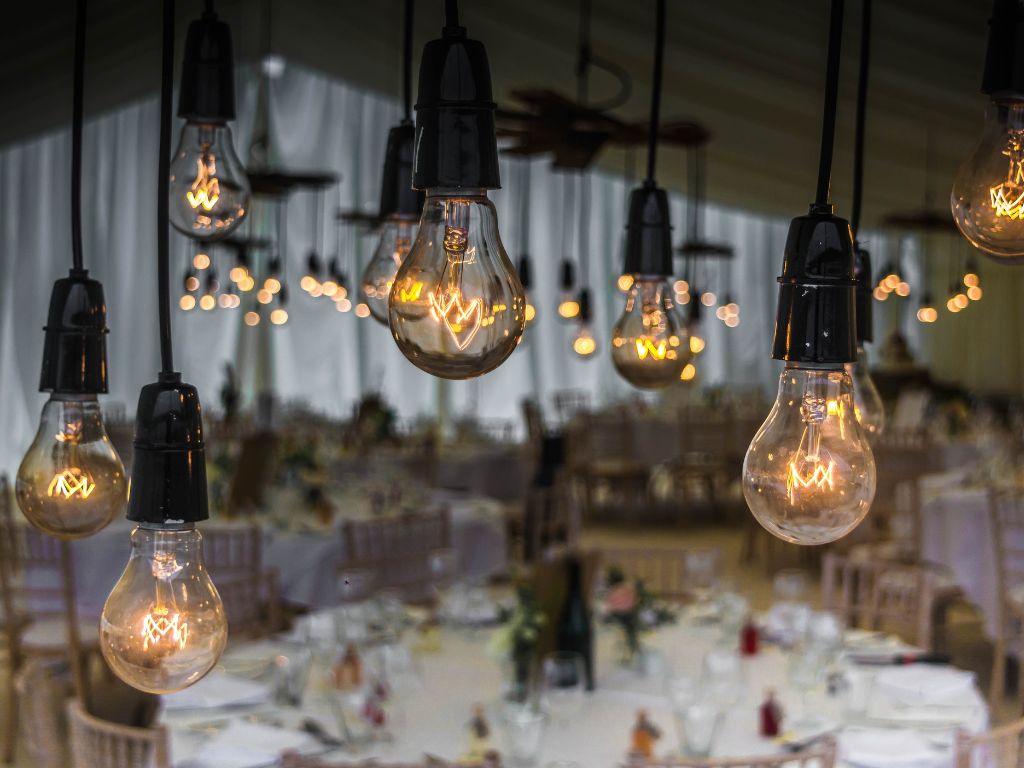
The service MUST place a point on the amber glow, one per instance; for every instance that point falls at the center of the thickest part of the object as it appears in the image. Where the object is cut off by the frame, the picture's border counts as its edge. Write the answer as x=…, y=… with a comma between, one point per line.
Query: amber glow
x=208, y=302
x=252, y=318
x=696, y=344
x=569, y=309
x=308, y=282
x=645, y=347
x=263, y=296
x=362, y=310
x=343, y=306
x=201, y=260
x=462, y=318
x=880, y=294
x=902, y=288
x=205, y=191
x=927, y=315
x=411, y=293
x=191, y=283
x=974, y=293
x=161, y=628
x=246, y=283
x=688, y=373
x=624, y=283
x=272, y=284
x=238, y=273
x=279, y=316
x=530, y=312
x=70, y=483
x=1007, y=198
x=708, y=299
x=961, y=300
x=584, y=344
x=971, y=279
x=187, y=302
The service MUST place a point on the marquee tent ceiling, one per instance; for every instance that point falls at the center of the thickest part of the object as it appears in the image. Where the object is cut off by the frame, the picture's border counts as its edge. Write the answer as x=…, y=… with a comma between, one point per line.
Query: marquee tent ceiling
x=752, y=72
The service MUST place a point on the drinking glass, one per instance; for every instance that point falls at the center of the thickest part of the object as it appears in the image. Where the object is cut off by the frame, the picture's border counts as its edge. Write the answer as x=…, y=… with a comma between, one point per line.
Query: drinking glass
x=443, y=564
x=523, y=736
x=805, y=672
x=701, y=569
x=697, y=725
x=564, y=679
x=291, y=671
x=722, y=677
x=791, y=585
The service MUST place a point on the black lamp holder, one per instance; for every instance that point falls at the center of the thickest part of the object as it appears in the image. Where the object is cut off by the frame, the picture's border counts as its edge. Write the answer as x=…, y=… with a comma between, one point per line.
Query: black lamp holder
x=1003, y=77
x=648, y=224
x=456, y=146
x=207, y=93
x=526, y=271
x=862, y=259
x=169, y=469
x=397, y=197
x=815, y=320
x=75, y=341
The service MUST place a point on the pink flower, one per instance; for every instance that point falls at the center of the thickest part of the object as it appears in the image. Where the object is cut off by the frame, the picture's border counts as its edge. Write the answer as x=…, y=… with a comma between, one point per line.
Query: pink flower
x=621, y=599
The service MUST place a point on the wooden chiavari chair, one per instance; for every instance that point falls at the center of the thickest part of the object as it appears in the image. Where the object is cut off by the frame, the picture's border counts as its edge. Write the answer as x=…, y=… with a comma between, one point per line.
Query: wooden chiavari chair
x=1006, y=510
x=570, y=403
x=880, y=595
x=601, y=458
x=97, y=743
x=663, y=570
x=41, y=696
x=819, y=755
x=234, y=557
x=996, y=748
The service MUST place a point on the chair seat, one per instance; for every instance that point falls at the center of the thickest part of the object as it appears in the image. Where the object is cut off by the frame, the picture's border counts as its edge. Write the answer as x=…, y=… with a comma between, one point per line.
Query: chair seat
x=50, y=635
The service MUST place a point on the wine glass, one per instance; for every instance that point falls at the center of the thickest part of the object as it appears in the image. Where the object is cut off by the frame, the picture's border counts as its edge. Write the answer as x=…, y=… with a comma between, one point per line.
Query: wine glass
x=805, y=672
x=701, y=567
x=564, y=681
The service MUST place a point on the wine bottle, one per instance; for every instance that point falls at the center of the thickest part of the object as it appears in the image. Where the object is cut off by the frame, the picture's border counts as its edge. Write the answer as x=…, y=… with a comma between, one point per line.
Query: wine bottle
x=574, y=630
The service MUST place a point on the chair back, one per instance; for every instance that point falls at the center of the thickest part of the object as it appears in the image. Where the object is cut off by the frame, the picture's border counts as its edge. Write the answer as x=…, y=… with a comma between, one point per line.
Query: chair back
x=34, y=569
x=40, y=723
x=569, y=403
x=233, y=549
x=99, y=743
x=998, y=748
x=396, y=549
x=665, y=571
x=819, y=755
x=1006, y=508
x=877, y=594
x=234, y=557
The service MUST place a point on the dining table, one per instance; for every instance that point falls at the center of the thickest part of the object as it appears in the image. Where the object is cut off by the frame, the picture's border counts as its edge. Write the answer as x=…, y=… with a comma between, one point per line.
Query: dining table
x=905, y=715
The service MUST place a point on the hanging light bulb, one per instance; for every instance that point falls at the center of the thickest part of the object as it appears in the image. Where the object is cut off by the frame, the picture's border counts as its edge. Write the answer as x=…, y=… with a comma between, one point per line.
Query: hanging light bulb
x=395, y=241
x=694, y=329
x=584, y=344
x=867, y=403
x=987, y=198
x=568, y=305
x=201, y=259
x=649, y=344
x=927, y=313
x=209, y=190
x=457, y=308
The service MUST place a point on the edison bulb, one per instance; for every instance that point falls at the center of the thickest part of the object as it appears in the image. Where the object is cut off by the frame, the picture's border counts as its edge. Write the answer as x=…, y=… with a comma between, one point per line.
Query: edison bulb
x=568, y=307
x=867, y=403
x=71, y=481
x=209, y=188
x=396, y=238
x=163, y=626
x=988, y=190
x=584, y=344
x=650, y=346
x=457, y=308
x=809, y=474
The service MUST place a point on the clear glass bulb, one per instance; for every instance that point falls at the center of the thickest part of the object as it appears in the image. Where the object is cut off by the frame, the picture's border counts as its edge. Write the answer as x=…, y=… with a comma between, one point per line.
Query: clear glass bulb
x=457, y=308
x=71, y=482
x=209, y=188
x=650, y=345
x=584, y=344
x=867, y=403
x=988, y=189
x=809, y=474
x=163, y=626
x=396, y=239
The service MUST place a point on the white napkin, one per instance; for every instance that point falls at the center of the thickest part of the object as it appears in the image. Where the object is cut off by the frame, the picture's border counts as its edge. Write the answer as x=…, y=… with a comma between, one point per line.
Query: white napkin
x=218, y=690
x=887, y=748
x=244, y=745
x=924, y=684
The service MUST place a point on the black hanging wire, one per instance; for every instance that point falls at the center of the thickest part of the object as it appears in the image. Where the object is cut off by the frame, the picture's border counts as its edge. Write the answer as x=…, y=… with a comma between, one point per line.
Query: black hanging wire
x=659, y=57
x=862, y=104
x=828, y=123
x=407, y=61
x=568, y=208
x=76, y=139
x=524, y=208
x=583, y=238
x=163, y=191
x=583, y=58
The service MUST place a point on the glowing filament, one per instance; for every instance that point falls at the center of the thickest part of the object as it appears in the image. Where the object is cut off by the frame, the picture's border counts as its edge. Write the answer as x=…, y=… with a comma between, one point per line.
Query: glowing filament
x=205, y=190
x=645, y=347
x=161, y=628
x=69, y=483
x=1008, y=198
x=410, y=294
x=462, y=319
x=820, y=478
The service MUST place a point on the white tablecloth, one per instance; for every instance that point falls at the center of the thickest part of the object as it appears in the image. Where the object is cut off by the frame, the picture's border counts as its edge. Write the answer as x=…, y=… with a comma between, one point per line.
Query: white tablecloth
x=306, y=562
x=433, y=713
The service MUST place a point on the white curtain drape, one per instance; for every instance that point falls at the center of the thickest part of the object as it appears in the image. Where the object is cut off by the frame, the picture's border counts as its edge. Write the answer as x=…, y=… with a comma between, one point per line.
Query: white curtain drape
x=329, y=359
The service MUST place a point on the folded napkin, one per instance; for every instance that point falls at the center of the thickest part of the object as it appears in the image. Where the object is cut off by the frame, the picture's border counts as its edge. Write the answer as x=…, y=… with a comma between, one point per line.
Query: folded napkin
x=887, y=748
x=925, y=684
x=218, y=690
x=245, y=745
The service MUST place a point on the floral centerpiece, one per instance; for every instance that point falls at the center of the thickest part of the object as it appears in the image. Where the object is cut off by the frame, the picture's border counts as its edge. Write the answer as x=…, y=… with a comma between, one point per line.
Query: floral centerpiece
x=516, y=640
x=634, y=609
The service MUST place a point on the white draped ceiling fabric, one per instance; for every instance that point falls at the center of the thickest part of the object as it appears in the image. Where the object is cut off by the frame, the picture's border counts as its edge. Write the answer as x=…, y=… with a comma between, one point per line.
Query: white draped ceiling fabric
x=328, y=359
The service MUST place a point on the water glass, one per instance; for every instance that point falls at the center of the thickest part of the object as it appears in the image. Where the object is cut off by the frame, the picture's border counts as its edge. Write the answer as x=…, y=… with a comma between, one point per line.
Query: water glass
x=856, y=692
x=701, y=570
x=806, y=670
x=722, y=677
x=523, y=736
x=291, y=672
x=697, y=725
x=564, y=683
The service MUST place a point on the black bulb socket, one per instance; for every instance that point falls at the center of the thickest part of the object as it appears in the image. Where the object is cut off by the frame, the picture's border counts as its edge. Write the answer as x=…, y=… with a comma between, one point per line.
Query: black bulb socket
x=816, y=317
x=526, y=271
x=1003, y=77
x=585, y=307
x=207, y=93
x=169, y=465
x=648, y=232
x=397, y=196
x=567, y=275
x=75, y=344
x=455, y=143
x=865, y=310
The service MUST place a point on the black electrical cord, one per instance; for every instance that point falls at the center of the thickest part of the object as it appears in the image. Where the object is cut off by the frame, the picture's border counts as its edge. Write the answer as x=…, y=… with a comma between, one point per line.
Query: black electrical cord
x=583, y=244
x=163, y=240
x=862, y=103
x=659, y=57
x=524, y=208
x=583, y=58
x=451, y=13
x=76, y=139
x=828, y=123
x=407, y=61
